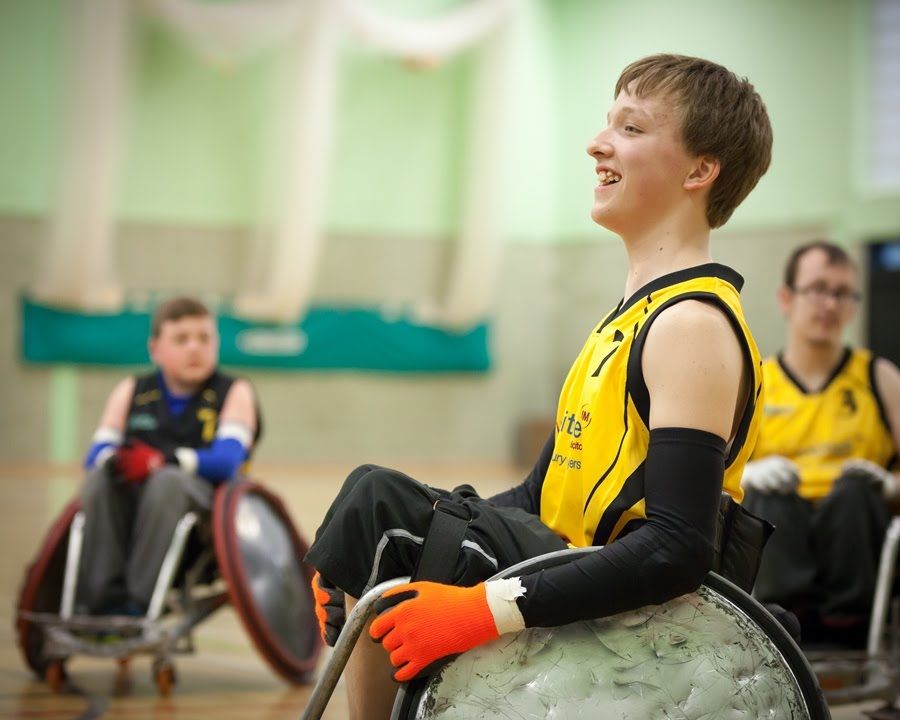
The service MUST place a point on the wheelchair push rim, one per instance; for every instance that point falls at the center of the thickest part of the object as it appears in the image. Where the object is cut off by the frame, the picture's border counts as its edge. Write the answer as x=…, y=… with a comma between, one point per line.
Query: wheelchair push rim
x=411, y=695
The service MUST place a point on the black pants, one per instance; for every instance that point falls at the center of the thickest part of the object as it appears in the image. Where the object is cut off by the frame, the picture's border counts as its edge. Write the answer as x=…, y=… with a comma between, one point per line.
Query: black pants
x=376, y=525
x=822, y=556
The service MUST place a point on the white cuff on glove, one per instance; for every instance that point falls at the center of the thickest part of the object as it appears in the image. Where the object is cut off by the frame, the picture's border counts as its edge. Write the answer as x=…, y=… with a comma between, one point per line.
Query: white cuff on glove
x=771, y=474
x=501, y=599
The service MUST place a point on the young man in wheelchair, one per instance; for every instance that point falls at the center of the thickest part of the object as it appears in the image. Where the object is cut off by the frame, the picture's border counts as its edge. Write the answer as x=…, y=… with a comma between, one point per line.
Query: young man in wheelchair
x=820, y=470
x=164, y=441
x=657, y=415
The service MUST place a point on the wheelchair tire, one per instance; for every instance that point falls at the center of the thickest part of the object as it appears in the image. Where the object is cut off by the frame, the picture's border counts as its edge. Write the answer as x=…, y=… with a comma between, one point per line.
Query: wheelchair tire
x=419, y=694
x=260, y=557
x=42, y=591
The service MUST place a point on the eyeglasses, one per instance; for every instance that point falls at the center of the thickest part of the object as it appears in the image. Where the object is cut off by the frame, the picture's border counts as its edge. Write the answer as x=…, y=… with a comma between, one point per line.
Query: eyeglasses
x=820, y=293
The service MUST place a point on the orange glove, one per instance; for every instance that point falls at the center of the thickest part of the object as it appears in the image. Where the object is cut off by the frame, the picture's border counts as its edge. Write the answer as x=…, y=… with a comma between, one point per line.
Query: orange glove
x=419, y=623
x=330, y=610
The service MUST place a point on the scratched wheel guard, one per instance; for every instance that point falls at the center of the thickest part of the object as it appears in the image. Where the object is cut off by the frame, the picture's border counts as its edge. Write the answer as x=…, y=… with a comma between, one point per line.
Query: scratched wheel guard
x=260, y=557
x=713, y=653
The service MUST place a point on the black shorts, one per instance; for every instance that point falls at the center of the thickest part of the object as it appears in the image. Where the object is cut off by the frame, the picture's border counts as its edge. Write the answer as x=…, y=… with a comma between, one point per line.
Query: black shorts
x=375, y=528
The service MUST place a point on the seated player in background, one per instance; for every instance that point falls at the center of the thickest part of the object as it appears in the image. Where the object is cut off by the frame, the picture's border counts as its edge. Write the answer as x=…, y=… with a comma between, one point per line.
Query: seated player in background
x=165, y=440
x=657, y=413
x=821, y=470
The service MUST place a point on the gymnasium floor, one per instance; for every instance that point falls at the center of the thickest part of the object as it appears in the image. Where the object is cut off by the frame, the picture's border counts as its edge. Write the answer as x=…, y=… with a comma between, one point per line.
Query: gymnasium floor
x=225, y=679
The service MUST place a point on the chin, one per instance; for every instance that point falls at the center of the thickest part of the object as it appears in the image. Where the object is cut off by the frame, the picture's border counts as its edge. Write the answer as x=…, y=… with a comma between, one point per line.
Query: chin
x=196, y=374
x=604, y=220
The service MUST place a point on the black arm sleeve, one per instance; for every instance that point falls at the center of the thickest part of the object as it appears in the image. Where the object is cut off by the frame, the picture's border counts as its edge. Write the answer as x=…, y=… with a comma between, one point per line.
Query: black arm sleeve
x=667, y=556
x=527, y=494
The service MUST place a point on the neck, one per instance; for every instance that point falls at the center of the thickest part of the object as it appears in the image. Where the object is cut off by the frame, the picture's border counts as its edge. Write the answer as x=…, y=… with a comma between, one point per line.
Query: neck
x=812, y=363
x=665, y=250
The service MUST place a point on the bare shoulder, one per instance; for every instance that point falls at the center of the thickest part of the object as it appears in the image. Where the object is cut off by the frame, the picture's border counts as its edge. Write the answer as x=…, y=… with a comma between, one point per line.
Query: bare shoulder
x=887, y=378
x=240, y=404
x=693, y=363
x=115, y=412
x=887, y=381
x=242, y=390
x=124, y=388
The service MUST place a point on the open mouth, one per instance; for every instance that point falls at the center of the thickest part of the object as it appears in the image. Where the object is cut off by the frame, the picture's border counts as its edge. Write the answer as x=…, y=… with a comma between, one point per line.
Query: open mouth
x=607, y=177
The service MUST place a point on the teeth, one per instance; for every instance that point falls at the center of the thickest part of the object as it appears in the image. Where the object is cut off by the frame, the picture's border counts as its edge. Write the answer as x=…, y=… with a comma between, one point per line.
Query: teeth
x=607, y=177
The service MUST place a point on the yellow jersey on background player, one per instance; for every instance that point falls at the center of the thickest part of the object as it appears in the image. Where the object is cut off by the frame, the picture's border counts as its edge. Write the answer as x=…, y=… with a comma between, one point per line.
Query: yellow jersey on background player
x=820, y=431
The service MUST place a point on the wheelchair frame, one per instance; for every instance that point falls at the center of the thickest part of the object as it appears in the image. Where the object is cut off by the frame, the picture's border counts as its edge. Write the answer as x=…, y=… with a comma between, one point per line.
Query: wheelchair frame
x=66, y=634
x=49, y=631
x=872, y=674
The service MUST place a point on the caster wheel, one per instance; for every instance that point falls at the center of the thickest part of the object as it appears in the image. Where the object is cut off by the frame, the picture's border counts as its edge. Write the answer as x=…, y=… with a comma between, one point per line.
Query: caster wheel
x=55, y=675
x=164, y=677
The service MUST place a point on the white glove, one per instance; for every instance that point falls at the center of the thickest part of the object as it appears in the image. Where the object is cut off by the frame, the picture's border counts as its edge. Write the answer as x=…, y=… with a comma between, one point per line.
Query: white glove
x=881, y=477
x=771, y=474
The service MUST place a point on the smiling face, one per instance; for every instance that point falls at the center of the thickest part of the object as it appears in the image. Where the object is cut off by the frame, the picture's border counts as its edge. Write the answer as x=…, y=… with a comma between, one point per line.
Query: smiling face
x=186, y=351
x=822, y=300
x=641, y=163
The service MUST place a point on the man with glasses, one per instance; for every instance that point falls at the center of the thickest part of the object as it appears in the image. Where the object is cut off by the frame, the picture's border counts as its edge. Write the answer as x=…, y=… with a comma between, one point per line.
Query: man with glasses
x=824, y=467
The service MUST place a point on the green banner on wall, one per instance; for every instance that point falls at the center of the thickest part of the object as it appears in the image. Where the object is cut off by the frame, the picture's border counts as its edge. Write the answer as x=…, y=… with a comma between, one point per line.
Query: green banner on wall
x=328, y=338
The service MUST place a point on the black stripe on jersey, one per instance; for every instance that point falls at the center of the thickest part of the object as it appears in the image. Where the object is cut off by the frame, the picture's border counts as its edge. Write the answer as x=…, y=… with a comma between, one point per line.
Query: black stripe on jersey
x=842, y=363
x=603, y=361
x=632, y=491
x=617, y=337
x=723, y=272
x=636, y=386
x=608, y=318
x=876, y=393
x=615, y=459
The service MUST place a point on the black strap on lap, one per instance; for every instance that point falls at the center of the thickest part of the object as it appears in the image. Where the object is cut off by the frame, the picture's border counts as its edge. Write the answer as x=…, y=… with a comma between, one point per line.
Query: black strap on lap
x=740, y=539
x=443, y=542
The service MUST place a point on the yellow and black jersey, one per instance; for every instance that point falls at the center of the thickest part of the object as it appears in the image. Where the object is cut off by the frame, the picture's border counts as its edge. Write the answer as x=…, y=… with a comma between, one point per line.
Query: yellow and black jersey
x=593, y=489
x=820, y=431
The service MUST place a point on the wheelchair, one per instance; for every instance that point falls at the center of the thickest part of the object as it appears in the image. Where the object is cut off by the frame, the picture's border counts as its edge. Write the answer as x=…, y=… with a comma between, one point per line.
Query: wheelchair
x=712, y=653
x=246, y=552
x=874, y=673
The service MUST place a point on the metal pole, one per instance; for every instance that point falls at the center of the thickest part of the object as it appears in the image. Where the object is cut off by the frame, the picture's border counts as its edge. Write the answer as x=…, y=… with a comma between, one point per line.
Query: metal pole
x=353, y=628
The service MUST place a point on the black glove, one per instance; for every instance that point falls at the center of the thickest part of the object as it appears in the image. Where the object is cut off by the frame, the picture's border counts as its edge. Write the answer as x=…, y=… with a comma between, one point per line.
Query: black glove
x=330, y=610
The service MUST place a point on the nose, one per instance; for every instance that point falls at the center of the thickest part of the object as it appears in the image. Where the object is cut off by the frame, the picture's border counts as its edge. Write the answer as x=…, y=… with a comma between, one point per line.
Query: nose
x=599, y=146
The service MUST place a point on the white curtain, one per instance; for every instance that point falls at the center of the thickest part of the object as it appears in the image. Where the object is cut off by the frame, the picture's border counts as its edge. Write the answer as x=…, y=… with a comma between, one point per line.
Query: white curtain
x=284, y=252
x=473, y=275
x=458, y=29
x=474, y=272
x=228, y=33
x=78, y=270
x=286, y=248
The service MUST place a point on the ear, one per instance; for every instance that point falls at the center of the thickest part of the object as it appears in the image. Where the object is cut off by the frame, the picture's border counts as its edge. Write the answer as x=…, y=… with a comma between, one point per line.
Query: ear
x=783, y=296
x=704, y=173
x=151, y=349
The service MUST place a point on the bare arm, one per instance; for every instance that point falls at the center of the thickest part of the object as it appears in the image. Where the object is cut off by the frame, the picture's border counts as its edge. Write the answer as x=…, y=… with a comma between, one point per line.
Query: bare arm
x=887, y=378
x=240, y=406
x=110, y=431
x=693, y=367
x=115, y=412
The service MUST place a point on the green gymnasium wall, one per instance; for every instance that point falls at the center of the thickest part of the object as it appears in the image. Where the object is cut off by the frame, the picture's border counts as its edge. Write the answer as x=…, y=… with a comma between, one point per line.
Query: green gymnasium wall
x=195, y=137
x=195, y=143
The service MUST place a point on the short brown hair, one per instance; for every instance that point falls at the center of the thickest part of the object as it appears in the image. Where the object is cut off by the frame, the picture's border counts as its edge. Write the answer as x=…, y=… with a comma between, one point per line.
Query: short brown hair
x=835, y=254
x=175, y=309
x=721, y=116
